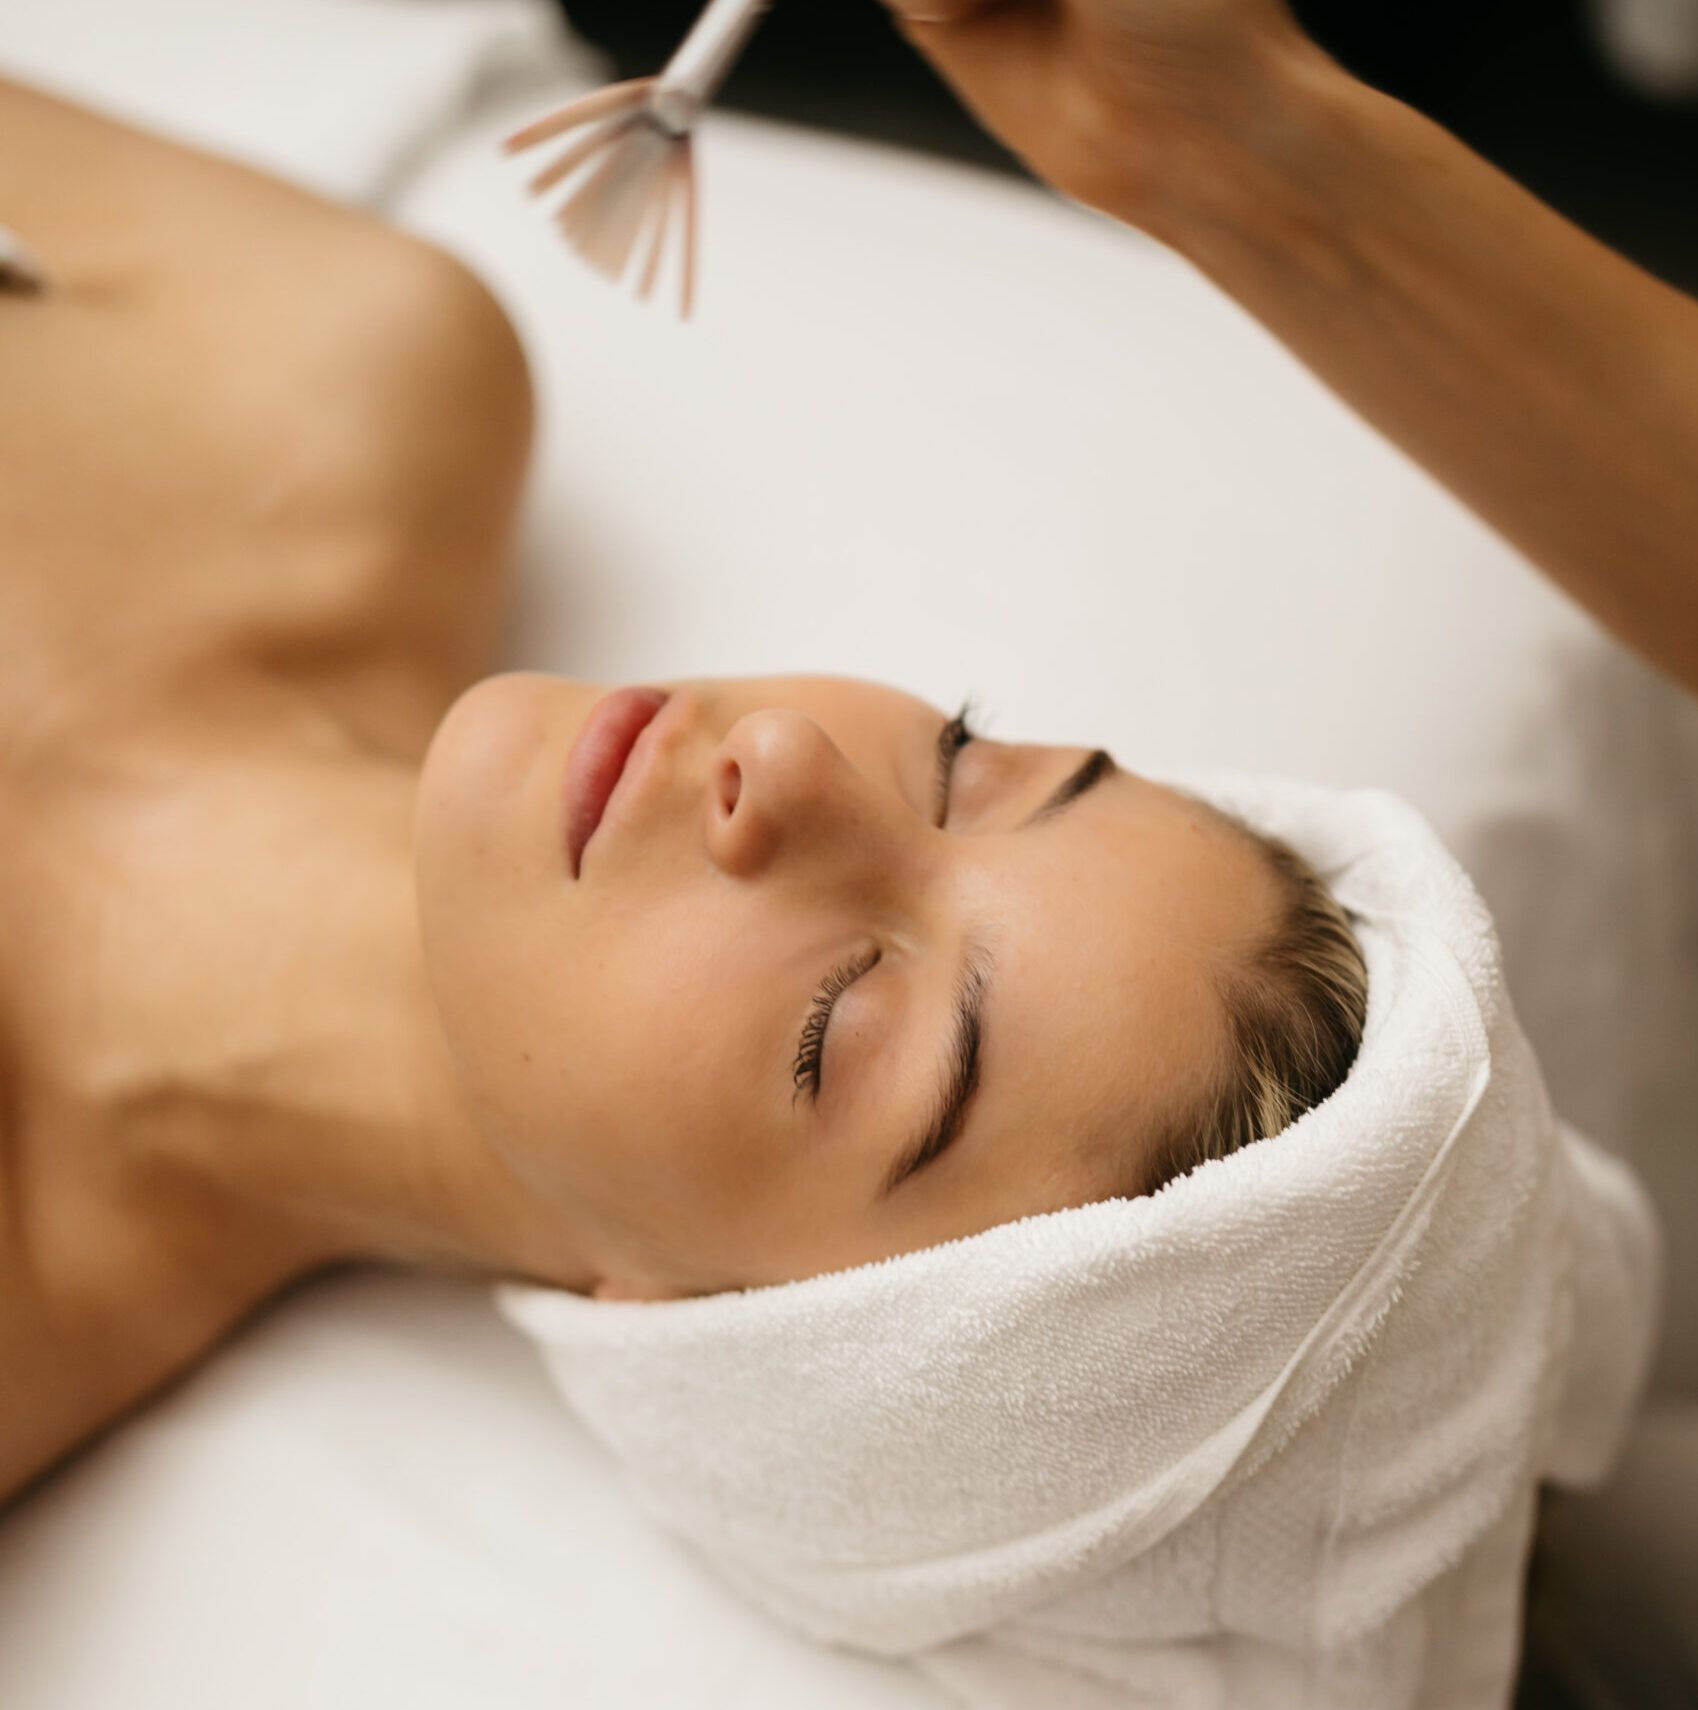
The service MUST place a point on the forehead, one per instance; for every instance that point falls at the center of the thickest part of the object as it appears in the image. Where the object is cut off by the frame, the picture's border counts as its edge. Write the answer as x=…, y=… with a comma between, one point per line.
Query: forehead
x=1106, y=1023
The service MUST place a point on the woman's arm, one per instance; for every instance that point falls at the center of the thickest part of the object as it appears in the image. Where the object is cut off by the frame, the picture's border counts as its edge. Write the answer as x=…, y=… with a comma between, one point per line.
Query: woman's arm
x=1551, y=385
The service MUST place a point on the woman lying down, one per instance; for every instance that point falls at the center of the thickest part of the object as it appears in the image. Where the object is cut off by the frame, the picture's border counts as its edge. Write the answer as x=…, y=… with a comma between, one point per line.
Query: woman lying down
x=1108, y=1241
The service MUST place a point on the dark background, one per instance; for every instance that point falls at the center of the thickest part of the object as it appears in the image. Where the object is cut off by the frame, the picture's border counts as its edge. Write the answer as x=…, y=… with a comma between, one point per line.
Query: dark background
x=1520, y=80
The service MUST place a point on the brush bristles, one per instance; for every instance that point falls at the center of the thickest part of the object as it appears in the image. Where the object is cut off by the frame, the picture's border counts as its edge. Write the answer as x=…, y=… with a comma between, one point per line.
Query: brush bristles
x=598, y=104
x=635, y=185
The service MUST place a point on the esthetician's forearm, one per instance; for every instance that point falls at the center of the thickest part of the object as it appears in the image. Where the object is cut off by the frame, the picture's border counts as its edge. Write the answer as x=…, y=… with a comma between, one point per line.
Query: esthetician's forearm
x=1551, y=385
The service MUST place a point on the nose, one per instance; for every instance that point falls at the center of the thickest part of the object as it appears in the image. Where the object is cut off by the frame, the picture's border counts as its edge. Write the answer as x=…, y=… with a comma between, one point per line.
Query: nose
x=780, y=790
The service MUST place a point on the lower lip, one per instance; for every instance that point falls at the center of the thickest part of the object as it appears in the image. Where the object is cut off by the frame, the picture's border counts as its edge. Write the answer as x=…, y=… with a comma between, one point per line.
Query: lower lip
x=597, y=761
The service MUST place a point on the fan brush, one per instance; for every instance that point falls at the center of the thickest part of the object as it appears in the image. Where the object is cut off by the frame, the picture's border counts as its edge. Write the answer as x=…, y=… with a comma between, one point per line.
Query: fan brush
x=634, y=161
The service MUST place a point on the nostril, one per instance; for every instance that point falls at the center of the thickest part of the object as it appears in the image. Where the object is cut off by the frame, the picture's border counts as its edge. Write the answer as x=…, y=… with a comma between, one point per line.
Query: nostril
x=730, y=786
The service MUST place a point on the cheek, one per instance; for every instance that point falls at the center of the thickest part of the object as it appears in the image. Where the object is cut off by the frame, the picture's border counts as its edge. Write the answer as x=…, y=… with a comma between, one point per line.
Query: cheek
x=688, y=1085
x=674, y=1040
x=621, y=1058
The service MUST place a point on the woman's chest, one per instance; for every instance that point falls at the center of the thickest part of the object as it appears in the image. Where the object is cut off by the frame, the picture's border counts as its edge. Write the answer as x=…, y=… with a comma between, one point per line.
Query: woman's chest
x=197, y=919
x=191, y=914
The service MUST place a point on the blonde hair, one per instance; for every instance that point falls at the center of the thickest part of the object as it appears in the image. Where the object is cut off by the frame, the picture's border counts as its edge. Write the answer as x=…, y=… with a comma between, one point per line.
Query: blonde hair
x=1295, y=1008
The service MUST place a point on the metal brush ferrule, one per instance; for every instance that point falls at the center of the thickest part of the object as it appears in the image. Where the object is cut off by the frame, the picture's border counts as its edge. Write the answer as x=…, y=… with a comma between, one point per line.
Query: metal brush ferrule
x=695, y=72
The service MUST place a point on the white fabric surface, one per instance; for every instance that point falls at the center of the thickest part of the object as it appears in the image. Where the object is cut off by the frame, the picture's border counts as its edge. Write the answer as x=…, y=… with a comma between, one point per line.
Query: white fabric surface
x=933, y=427
x=1227, y=1436
x=338, y=94
x=371, y=1501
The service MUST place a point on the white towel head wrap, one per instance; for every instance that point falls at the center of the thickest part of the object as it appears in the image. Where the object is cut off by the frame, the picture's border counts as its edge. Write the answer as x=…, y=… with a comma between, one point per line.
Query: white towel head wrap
x=1268, y=1437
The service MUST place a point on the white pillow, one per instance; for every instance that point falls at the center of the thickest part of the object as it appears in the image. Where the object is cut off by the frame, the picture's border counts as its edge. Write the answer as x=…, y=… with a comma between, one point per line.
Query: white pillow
x=339, y=95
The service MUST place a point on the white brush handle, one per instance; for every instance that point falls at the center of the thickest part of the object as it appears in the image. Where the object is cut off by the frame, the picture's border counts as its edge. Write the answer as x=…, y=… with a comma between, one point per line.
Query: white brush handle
x=697, y=69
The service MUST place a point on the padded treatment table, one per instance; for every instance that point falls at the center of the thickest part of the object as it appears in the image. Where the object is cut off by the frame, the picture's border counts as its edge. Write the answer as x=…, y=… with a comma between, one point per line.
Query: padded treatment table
x=936, y=427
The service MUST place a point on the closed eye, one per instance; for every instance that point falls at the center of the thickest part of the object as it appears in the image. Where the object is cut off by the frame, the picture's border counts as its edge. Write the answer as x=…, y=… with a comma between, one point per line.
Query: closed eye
x=807, y=1068
x=810, y=1048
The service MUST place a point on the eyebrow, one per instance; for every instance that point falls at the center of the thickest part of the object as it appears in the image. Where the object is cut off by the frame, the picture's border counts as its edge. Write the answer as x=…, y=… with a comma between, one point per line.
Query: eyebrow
x=960, y=1076
x=1095, y=767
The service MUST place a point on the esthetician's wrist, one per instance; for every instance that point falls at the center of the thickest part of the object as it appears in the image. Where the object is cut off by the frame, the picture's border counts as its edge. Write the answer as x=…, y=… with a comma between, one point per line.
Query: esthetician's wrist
x=1239, y=161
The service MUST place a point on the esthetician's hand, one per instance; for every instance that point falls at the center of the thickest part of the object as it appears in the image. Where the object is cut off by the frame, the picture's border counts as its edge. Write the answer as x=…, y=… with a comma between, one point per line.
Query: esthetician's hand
x=1117, y=103
x=1551, y=385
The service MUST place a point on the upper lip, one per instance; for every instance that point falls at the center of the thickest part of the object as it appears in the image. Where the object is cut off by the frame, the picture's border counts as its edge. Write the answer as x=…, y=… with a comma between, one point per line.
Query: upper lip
x=597, y=759
x=633, y=777
x=646, y=749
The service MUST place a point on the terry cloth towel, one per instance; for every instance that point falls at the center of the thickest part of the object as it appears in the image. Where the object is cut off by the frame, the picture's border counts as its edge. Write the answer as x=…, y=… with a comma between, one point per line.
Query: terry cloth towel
x=1269, y=1437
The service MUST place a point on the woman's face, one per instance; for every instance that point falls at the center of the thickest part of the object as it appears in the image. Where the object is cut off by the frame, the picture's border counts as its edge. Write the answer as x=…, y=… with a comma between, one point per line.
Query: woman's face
x=827, y=984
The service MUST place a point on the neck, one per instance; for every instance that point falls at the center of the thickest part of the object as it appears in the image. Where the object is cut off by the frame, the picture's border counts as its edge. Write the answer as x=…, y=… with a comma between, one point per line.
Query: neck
x=362, y=1146
x=412, y=1179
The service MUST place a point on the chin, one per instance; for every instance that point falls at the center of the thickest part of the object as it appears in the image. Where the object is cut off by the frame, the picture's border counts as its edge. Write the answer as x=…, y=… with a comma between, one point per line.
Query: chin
x=492, y=776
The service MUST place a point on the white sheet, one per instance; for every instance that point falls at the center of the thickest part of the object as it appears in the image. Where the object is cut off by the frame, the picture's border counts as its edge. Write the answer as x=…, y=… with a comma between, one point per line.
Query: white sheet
x=937, y=427
x=374, y=1500
x=340, y=95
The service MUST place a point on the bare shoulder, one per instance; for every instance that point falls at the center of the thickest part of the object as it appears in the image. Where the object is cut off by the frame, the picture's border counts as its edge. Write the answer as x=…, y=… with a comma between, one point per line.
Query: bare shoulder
x=245, y=420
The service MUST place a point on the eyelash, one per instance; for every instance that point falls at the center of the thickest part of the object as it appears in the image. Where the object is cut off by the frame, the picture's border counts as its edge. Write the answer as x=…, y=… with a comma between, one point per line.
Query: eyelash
x=810, y=1049
x=951, y=740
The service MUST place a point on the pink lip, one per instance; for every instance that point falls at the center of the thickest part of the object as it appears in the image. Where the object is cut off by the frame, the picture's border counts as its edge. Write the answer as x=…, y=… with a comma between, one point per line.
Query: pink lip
x=597, y=761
